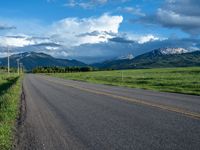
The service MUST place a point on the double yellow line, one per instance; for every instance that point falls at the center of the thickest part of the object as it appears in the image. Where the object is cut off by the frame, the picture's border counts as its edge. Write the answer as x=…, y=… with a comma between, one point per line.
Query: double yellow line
x=184, y=112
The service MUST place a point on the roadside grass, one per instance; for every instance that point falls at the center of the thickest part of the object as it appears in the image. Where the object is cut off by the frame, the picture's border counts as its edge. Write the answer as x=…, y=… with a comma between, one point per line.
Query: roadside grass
x=10, y=89
x=178, y=80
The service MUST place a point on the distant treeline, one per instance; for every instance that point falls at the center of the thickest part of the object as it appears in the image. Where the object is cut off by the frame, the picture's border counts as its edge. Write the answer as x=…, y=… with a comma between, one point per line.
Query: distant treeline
x=63, y=69
x=5, y=69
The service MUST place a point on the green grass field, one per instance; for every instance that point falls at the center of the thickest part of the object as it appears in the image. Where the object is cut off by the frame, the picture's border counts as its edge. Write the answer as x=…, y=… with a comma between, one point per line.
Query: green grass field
x=178, y=80
x=10, y=89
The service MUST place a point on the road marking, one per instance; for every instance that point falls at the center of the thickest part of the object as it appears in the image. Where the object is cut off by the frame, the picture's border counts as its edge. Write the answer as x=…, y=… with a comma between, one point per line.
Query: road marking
x=160, y=106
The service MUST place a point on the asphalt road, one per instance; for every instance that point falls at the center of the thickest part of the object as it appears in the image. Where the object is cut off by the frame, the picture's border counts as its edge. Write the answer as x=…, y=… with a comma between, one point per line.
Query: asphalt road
x=61, y=114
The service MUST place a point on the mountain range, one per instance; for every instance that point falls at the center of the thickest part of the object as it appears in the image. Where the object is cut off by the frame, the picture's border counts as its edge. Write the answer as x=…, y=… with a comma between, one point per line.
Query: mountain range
x=163, y=57
x=159, y=58
x=31, y=60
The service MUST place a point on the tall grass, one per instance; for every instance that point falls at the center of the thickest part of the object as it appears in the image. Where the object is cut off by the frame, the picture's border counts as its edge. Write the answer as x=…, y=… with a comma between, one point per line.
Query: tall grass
x=179, y=80
x=10, y=89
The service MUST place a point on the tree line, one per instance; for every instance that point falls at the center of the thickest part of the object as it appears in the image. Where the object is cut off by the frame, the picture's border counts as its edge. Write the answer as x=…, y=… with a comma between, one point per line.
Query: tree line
x=62, y=69
x=5, y=69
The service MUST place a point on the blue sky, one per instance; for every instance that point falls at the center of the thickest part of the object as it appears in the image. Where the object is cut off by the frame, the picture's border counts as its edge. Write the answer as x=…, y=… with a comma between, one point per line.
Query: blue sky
x=97, y=30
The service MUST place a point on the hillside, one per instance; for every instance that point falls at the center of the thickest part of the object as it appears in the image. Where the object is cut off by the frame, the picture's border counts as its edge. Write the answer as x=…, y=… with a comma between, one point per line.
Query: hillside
x=31, y=60
x=156, y=59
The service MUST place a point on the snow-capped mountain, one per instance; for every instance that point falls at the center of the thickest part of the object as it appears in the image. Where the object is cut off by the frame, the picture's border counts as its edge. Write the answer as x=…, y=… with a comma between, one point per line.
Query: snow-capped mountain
x=163, y=57
x=169, y=51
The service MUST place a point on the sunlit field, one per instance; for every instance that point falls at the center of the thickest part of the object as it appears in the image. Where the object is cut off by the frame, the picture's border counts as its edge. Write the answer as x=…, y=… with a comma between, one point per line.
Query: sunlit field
x=9, y=103
x=178, y=80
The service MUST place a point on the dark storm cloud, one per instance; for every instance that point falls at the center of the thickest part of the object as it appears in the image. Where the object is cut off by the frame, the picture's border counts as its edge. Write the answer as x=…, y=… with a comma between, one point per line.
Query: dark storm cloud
x=184, y=7
x=121, y=40
x=39, y=38
x=16, y=36
x=182, y=14
x=47, y=44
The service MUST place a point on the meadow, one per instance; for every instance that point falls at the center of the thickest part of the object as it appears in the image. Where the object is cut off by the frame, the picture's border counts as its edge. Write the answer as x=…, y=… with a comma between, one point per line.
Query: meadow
x=177, y=80
x=10, y=89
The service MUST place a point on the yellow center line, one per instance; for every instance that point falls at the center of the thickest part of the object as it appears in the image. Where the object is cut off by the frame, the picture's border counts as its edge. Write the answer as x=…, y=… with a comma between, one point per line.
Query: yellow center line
x=193, y=115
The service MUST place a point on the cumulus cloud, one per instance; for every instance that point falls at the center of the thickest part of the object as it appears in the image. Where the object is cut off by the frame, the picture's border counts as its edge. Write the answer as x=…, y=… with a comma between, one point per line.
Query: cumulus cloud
x=17, y=41
x=182, y=14
x=14, y=41
x=147, y=38
x=140, y=39
x=62, y=37
x=75, y=31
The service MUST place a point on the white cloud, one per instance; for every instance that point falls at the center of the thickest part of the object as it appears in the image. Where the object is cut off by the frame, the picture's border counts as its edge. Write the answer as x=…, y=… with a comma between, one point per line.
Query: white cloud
x=68, y=30
x=147, y=38
x=15, y=41
x=51, y=48
x=4, y=54
x=141, y=39
x=62, y=35
x=21, y=40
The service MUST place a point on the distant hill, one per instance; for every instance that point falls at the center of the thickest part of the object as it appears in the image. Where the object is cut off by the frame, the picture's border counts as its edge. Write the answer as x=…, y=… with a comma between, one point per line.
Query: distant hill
x=168, y=57
x=31, y=60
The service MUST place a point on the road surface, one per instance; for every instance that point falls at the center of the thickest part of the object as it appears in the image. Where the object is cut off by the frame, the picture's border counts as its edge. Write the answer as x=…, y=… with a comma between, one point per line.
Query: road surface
x=62, y=114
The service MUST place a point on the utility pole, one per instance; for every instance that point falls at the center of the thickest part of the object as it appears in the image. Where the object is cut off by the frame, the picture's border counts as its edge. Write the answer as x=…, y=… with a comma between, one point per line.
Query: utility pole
x=122, y=76
x=21, y=68
x=8, y=61
x=18, y=67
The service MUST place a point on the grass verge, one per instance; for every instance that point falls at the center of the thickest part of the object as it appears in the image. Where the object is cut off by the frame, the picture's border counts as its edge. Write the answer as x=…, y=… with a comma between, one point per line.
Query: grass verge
x=177, y=80
x=10, y=89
